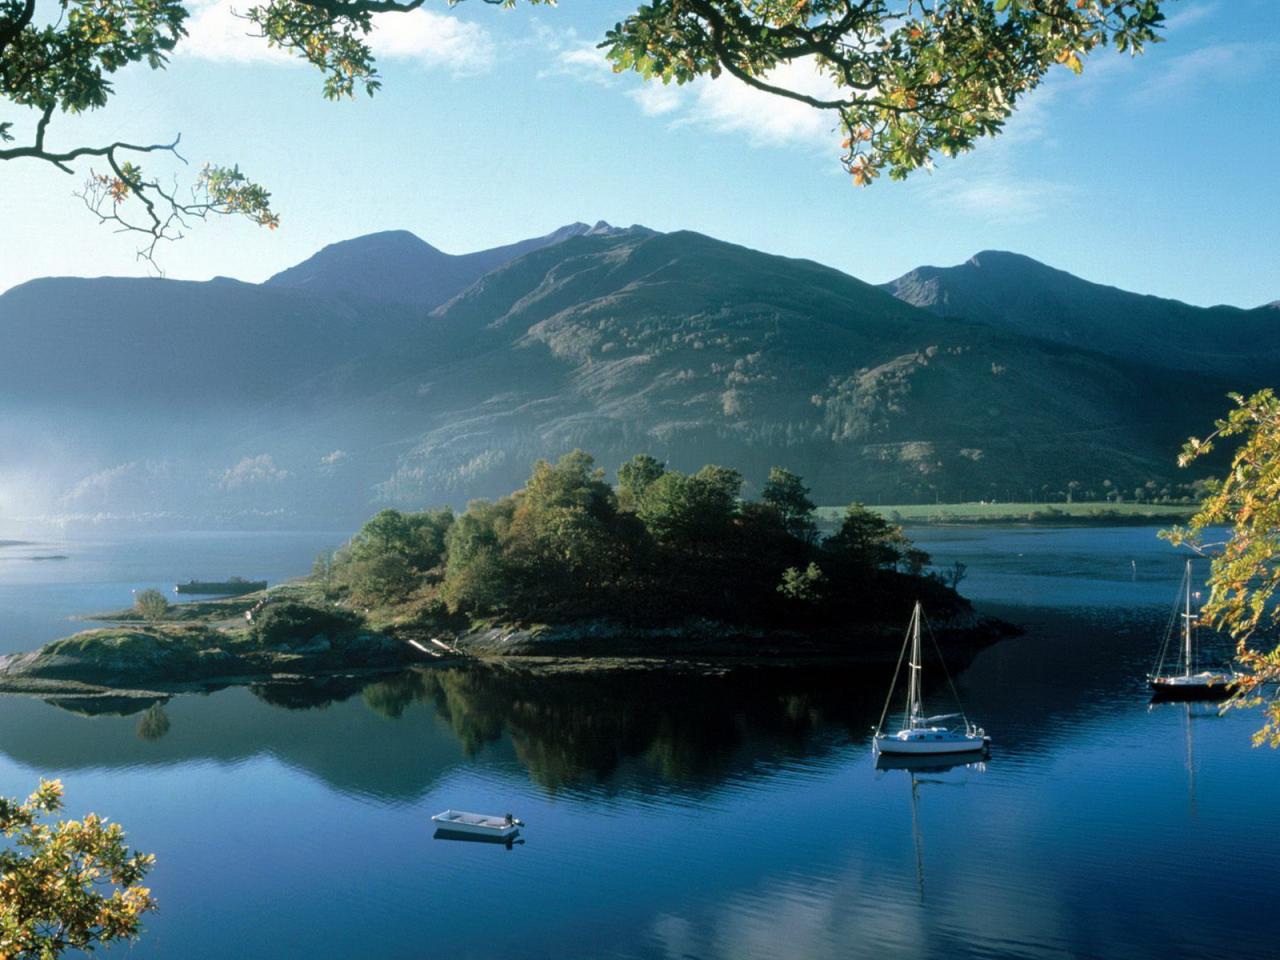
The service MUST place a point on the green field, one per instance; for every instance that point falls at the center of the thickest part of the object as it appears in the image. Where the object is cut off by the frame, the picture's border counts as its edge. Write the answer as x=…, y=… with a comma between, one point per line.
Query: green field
x=1048, y=513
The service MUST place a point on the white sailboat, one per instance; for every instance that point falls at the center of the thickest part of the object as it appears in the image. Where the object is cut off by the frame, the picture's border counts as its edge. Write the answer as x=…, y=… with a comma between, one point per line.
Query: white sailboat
x=923, y=735
x=1189, y=684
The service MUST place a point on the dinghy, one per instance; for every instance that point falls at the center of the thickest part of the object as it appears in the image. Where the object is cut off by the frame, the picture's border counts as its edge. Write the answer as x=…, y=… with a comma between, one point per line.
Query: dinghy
x=478, y=824
x=1189, y=684
x=923, y=735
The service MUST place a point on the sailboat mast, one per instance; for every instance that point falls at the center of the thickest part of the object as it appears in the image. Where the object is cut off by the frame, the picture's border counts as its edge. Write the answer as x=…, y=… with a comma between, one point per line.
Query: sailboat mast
x=915, y=706
x=1186, y=625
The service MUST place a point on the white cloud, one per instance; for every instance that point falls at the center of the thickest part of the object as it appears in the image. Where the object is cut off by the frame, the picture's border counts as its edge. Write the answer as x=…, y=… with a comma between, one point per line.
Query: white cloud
x=219, y=32
x=1197, y=71
x=580, y=61
x=1000, y=197
x=330, y=461
x=433, y=40
x=99, y=485
x=724, y=105
x=1186, y=16
x=656, y=99
x=728, y=105
x=250, y=471
x=102, y=486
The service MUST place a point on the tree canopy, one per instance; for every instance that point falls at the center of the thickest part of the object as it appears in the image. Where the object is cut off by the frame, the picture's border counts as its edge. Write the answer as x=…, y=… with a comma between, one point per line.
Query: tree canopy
x=1245, y=570
x=906, y=81
x=68, y=885
x=659, y=547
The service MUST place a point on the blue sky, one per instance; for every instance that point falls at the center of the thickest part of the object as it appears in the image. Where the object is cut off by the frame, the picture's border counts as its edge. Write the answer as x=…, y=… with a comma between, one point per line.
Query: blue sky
x=1157, y=174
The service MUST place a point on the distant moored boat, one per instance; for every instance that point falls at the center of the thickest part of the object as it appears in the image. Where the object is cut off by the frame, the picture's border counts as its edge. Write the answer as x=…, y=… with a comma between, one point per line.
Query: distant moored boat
x=1190, y=684
x=922, y=735
x=233, y=586
x=478, y=824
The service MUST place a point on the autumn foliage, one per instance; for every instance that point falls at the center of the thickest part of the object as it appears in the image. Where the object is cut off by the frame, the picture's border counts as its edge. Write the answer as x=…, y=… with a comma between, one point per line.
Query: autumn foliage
x=66, y=884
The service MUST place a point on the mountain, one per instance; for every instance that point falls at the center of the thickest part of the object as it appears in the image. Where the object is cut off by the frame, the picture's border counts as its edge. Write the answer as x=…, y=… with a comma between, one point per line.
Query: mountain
x=699, y=350
x=227, y=403
x=123, y=342
x=398, y=267
x=1016, y=293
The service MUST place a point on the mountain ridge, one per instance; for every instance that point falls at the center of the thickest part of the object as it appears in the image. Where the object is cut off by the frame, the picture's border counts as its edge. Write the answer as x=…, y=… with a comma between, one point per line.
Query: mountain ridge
x=1014, y=292
x=283, y=403
x=397, y=266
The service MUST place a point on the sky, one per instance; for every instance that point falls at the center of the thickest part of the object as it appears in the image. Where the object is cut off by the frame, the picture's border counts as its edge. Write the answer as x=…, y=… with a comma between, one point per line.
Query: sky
x=1154, y=174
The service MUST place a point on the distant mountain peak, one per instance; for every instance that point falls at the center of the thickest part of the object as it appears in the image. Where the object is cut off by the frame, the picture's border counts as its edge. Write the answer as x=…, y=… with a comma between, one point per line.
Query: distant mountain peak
x=1003, y=258
x=397, y=266
x=1017, y=293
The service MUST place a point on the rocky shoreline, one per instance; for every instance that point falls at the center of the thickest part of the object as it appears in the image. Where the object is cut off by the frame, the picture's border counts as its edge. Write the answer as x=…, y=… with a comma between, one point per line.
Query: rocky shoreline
x=200, y=645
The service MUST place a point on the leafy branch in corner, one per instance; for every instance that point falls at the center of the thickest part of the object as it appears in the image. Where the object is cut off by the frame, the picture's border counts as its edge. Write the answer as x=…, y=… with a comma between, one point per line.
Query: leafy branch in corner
x=66, y=66
x=218, y=191
x=1245, y=569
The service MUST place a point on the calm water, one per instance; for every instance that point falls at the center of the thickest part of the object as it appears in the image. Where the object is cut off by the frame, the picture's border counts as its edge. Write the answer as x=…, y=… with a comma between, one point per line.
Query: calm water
x=37, y=596
x=737, y=816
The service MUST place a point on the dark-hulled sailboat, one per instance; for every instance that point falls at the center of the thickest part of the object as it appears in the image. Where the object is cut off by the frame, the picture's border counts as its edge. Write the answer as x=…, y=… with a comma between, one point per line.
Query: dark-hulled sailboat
x=1189, y=683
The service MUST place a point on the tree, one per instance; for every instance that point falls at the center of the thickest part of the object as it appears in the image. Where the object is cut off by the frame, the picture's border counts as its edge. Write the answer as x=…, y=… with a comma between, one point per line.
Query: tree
x=803, y=586
x=691, y=510
x=390, y=555
x=1245, y=570
x=908, y=81
x=636, y=476
x=322, y=569
x=475, y=573
x=151, y=604
x=68, y=885
x=866, y=540
x=786, y=493
x=566, y=544
x=913, y=561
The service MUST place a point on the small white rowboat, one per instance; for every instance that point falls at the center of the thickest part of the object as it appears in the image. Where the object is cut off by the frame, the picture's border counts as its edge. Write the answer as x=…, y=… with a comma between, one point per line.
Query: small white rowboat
x=478, y=824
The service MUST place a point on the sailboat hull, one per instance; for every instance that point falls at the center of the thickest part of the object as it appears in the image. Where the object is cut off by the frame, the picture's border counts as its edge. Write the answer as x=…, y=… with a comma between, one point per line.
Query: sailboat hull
x=1216, y=686
x=920, y=743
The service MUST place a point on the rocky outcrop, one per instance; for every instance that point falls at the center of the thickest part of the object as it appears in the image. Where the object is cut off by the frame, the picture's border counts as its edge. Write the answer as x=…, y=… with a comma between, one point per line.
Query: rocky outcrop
x=159, y=657
x=692, y=639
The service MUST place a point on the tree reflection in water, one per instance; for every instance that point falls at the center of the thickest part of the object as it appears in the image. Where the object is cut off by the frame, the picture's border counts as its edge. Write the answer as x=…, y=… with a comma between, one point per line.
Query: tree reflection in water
x=581, y=728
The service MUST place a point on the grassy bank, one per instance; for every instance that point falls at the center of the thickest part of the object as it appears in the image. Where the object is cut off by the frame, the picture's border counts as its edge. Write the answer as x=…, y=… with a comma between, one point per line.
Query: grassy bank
x=1046, y=513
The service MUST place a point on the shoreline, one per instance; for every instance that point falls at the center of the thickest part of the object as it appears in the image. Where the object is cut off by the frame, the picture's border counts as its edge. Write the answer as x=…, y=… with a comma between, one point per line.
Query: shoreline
x=206, y=645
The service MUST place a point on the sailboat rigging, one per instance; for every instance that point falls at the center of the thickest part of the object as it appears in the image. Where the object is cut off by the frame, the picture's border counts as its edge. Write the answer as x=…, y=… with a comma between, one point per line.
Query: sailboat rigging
x=921, y=734
x=1189, y=683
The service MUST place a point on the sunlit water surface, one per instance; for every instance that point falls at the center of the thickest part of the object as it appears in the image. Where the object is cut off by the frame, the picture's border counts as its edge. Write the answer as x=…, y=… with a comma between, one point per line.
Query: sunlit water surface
x=736, y=816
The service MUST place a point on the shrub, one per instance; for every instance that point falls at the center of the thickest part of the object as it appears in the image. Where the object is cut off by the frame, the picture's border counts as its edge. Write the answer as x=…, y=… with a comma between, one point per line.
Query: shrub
x=291, y=622
x=151, y=604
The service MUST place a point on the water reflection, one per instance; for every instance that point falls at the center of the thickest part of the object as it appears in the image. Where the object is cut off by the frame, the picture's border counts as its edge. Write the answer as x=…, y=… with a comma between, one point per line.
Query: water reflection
x=606, y=733
x=731, y=814
x=601, y=732
x=1192, y=713
x=928, y=770
x=154, y=722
